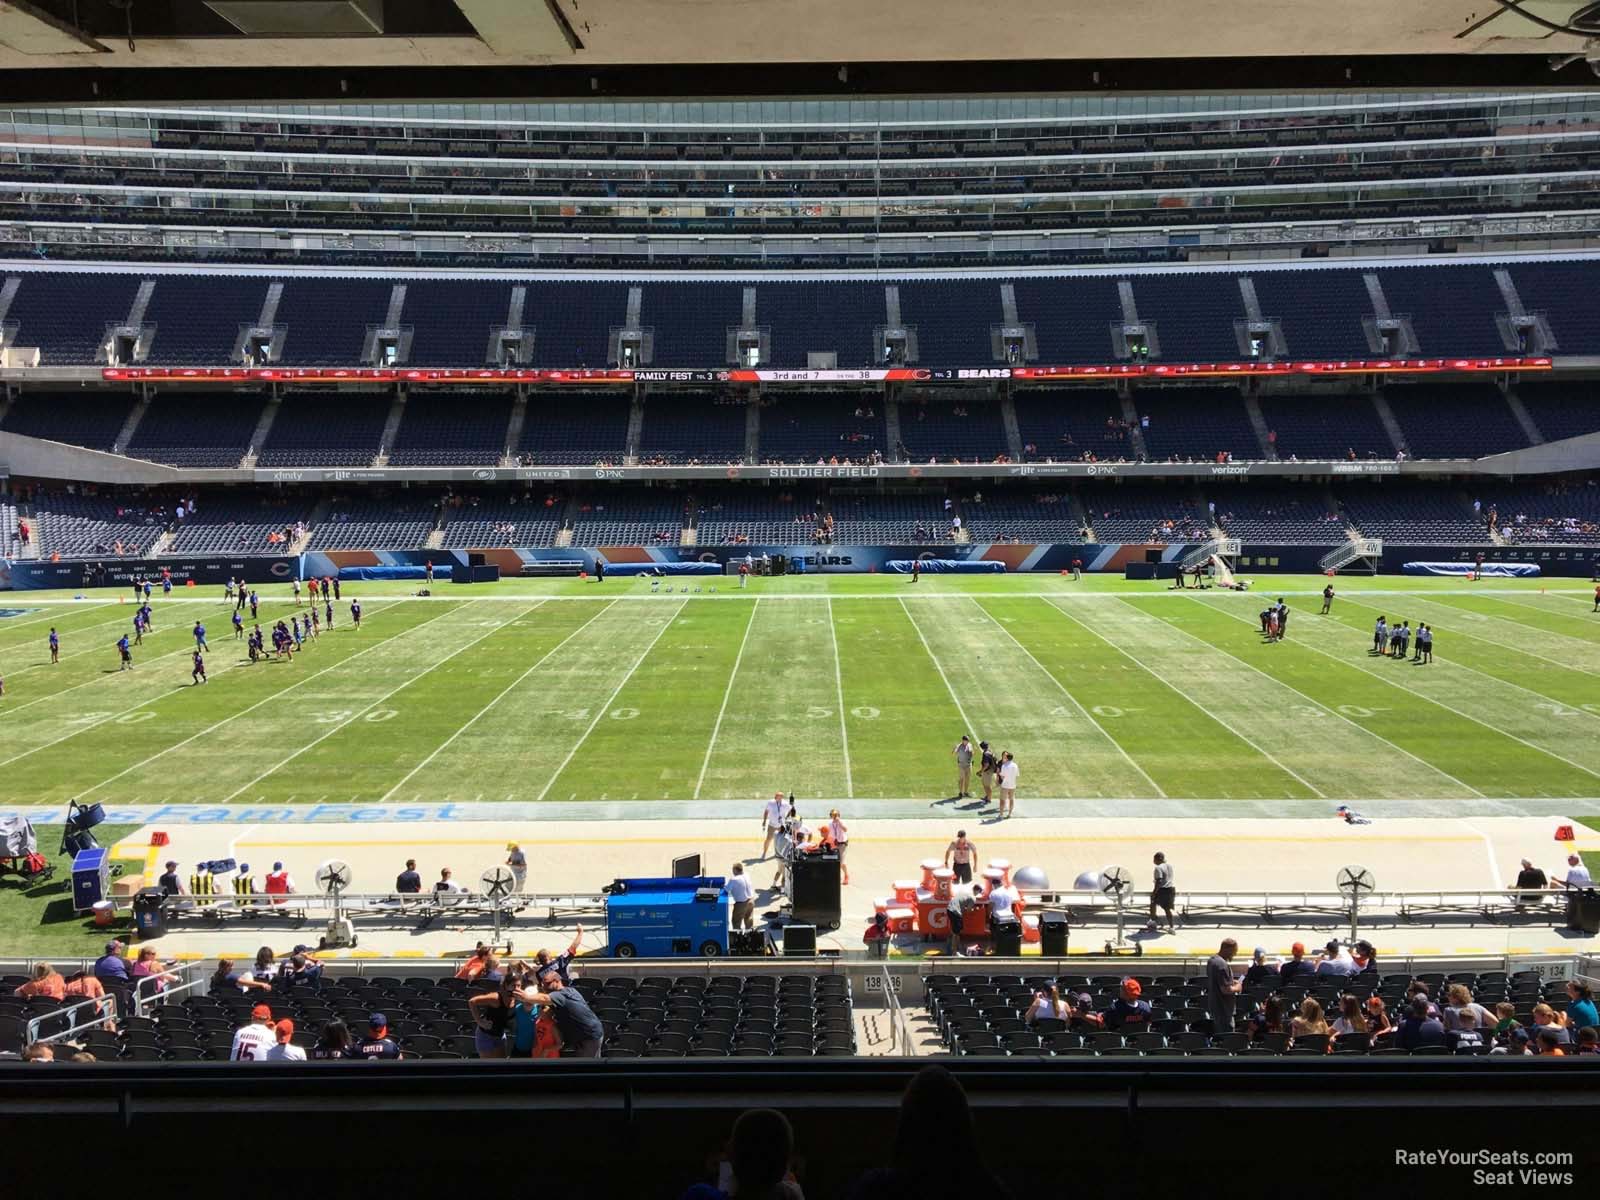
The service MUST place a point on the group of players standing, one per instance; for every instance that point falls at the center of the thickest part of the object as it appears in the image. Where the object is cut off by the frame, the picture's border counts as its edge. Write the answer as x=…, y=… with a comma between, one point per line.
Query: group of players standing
x=1392, y=641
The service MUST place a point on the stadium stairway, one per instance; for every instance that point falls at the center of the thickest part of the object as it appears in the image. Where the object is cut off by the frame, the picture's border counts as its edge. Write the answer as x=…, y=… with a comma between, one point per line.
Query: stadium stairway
x=519, y=417
x=131, y=425
x=1387, y=419
x=1130, y=414
x=391, y=427
x=1519, y=410
x=269, y=414
x=1252, y=408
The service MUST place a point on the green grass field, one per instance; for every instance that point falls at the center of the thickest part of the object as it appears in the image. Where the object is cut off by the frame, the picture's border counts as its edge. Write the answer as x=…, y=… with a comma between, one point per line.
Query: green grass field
x=851, y=687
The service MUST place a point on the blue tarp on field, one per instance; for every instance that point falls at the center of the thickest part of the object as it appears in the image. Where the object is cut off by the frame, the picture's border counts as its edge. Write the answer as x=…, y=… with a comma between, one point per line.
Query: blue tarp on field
x=1500, y=570
x=440, y=571
x=655, y=568
x=945, y=566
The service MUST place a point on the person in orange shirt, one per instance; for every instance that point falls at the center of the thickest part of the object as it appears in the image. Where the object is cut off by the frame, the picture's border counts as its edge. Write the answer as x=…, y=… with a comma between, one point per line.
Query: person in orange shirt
x=46, y=981
x=86, y=987
x=477, y=964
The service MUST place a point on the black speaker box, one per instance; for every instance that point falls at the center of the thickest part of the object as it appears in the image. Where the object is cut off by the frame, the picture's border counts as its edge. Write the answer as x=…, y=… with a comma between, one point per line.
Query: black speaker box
x=1053, y=934
x=816, y=890
x=1007, y=933
x=800, y=940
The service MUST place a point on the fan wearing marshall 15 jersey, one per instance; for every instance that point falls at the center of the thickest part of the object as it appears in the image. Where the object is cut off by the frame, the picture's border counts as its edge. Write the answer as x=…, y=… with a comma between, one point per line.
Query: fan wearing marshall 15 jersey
x=251, y=1042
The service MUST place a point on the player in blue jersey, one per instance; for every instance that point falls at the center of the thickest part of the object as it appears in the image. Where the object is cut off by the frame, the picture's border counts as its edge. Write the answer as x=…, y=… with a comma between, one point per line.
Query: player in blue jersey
x=125, y=652
x=355, y=612
x=147, y=613
x=147, y=589
x=294, y=631
x=138, y=629
x=199, y=672
x=238, y=625
x=55, y=645
x=315, y=623
x=254, y=605
x=327, y=610
x=200, y=637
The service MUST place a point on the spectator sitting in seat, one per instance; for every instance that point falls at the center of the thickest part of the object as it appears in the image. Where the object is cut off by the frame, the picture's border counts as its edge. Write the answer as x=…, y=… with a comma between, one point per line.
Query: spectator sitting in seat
x=476, y=963
x=1335, y=961
x=934, y=1100
x=1269, y=1020
x=1458, y=1000
x=1378, y=1022
x=1589, y=1040
x=1309, y=1021
x=111, y=968
x=1296, y=967
x=1581, y=1012
x=1259, y=971
x=1466, y=1034
x=1050, y=1006
x=149, y=973
x=1128, y=1010
x=1418, y=1029
x=1351, y=1019
x=302, y=969
x=46, y=981
x=1548, y=1020
x=226, y=978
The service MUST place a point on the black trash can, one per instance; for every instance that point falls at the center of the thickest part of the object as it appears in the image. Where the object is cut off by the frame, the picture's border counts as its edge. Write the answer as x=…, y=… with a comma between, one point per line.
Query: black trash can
x=1053, y=934
x=1583, y=911
x=1007, y=934
x=148, y=918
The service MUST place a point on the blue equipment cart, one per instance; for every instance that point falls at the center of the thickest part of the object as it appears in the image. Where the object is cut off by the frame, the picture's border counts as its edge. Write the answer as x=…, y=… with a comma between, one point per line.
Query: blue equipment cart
x=91, y=875
x=667, y=918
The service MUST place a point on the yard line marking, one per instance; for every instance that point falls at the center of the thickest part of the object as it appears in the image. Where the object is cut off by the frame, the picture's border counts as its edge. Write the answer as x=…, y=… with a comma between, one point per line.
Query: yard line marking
x=1547, y=611
x=965, y=720
x=120, y=712
x=1289, y=771
x=374, y=704
x=11, y=623
x=1000, y=625
x=378, y=645
x=726, y=692
x=1431, y=700
x=473, y=720
x=1331, y=711
x=838, y=683
x=610, y=700
x=90, y=628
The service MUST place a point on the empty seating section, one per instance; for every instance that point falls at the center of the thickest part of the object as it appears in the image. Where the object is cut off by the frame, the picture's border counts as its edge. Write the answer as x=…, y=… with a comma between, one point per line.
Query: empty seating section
x=1326, y=426
x=451, y=319
x=755, y=517
x=987, y=1015
x=91, y=419
x=805, y=427
x=575, y=428
x=690, y=321
x=482, y=523
x=870, y=520
x=1564, y=292
x=1457, y=318
x=1193, y=314
x=1137, y=514
x=1463, y=420
x=397, y=523
x=1070, y=423
x=1411, y=514
x=1565, y=512
x=450, y=428
x=1562, y=410
x=1071, y=316
x=1280, y=515
x=953, y=319
x=326, y=430
x=835, y=317
x=652, y=518
x=968, y=429
x=197, y=318
x=10, y=537
x=1022, y=517
x=693, y=427
x=208, y=430
x=1320, y=310
x=65, y=314
x=327, y=319
x=226, y=525
x=76, y=526
x=1195, y=423
x=571, y=322
x=788, y=1016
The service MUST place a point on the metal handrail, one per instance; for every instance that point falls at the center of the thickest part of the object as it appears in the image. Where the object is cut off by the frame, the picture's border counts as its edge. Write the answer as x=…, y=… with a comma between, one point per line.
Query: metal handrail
x=389, y=904
x=142, y=1002
x=99, y=1016
x=899, y=1026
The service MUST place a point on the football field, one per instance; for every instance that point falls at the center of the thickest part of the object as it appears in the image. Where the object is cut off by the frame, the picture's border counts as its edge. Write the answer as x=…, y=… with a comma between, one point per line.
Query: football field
x=850, y=688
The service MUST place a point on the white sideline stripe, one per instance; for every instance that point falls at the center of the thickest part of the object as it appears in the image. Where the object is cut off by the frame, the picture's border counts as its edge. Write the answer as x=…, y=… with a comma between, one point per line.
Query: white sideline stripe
x=374, y=704
x=473, y=720
x=601, y=711
x=1330, y=710
x=1266, y=754
x=838, y=683
x=378, y=645
x=1145, y=775
x=183, y=687
x=100, y=678
x=1488, y=848
x=726, y=692
x=1365, y=670
x=966, y=721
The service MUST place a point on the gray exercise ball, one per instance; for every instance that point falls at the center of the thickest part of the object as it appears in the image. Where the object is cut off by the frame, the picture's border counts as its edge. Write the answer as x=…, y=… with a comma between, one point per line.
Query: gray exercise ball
x=1089, y=881
x=1032, y=878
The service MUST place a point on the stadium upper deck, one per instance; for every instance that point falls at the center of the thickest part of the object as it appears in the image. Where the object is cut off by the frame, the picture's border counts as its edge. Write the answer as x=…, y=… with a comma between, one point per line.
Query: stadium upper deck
x=818, y=183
